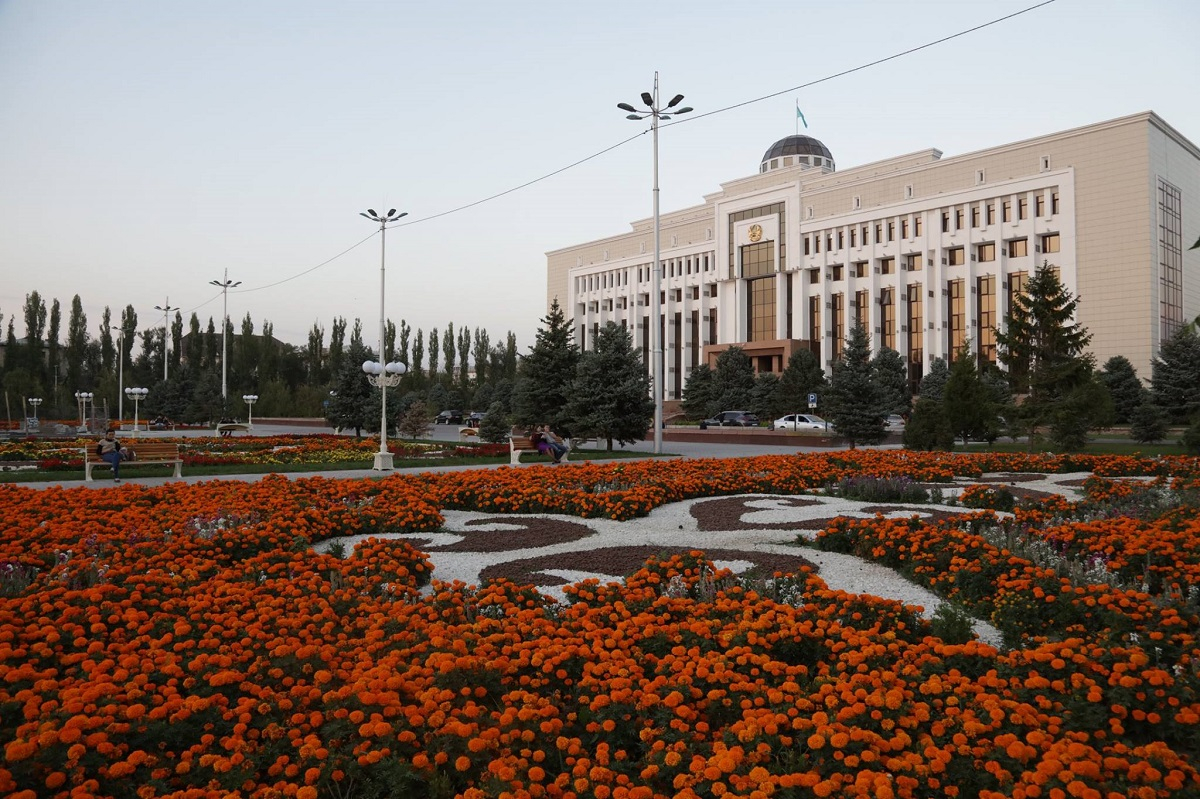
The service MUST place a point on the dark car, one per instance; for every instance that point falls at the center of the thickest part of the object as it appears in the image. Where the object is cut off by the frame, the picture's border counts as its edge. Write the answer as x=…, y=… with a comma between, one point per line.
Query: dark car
x=449, y=417
x=732, y=419
x=475, y=418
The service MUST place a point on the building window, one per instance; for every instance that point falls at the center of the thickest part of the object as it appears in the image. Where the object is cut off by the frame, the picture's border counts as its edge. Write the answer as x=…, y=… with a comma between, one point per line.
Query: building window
x=758, y=260
x=1050, y=242
x=956, y=312
x=904, y=228
x=838, y=326
x=862, y=309
x=860, y=269
x=986, y=252
x=991, y=213
x=761, y=316
x=1022, y=208
x=974, y=216
x=979, y=176
x=712, y=332
x=841, y=240
x=959, y=217
x=776, y=210
x=814, y=276
x=887, y=318
x=829, y=242
x=908, y=192
x=956, y=256
x=945, y=221
x=891, y=227
x=917, y=225
x=915, y=320
x=1016, y=286
x=814, y=325
x=808, y=245
x=1006, y=211
x=1018, y=248
x=1039, y=205
x=912, y=262
x=887, y=266
x=838, y=272
x=1045, y=163
x=1170, y=259
x=1054, y=202
x=853, y=237
x=878, y=234
x=866, y=235
x=985, y=316
x=857, y=203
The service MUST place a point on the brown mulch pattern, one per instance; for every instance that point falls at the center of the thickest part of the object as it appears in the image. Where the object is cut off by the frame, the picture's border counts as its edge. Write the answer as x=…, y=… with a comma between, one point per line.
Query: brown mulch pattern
x=1014, y=477
x=726, y=514
x=534, y=532
x=925, y=514
x=621, y=561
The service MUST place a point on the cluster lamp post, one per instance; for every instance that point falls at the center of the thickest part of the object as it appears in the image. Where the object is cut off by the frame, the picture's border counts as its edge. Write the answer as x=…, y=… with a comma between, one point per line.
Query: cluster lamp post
x=250, y=399
x=35, y=402
x=225, y=284
x=656, y=112
x=166, y=309
x=379, y=374
x=137, y=395
x=82, y=398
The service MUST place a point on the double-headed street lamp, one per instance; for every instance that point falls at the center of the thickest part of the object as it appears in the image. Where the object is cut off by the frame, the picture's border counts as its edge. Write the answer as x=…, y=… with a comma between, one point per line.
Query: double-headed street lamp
x=82, y=398
x=656, y=112
x=166, y=309
x=250, y=399
x=226, y=284
x=378, y=374
x=137, y=395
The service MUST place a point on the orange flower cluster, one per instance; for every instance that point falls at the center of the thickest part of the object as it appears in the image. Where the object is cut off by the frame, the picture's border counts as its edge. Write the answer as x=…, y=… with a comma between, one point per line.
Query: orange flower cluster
x=186, y=641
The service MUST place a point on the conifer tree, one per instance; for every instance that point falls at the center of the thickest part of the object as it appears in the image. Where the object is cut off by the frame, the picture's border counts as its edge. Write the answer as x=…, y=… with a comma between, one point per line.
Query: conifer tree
x=610, y=395
x=802, y=376
x=933, y=384
x=1126, y=390
x=891, y=375
x=545, y=375
x=856, y=405
x=733, y=382
x=1175, y=379
x=698, y=392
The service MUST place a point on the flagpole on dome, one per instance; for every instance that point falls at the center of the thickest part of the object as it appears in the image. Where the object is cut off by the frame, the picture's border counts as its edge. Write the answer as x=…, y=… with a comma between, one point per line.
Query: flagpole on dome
x=800, y=118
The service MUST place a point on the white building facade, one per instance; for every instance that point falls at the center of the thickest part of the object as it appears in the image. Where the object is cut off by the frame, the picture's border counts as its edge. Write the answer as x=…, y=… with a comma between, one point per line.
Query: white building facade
x=925, y=252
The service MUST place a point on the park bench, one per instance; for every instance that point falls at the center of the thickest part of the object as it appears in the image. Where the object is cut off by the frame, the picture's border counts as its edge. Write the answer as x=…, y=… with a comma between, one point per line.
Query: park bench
x=521, y=444
x=468, y=434
x=227, y=429
x=144, y=452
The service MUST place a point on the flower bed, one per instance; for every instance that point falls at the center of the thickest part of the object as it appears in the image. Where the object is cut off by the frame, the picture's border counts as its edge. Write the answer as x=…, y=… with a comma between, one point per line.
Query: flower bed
x=187, y=640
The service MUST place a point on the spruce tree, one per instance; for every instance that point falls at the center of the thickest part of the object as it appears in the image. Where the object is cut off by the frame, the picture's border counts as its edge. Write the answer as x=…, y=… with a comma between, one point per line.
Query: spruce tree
x=928, y=428
x=764, y=396
x=891, y=375
x=733, y=382
x=933, y=384
x=802, y=376
x=610, y=395
x=698, y=392
x=545, y=375
x=349, y=406
x=1148, y=423
x=1126, y=390
x=857, y=406
x=967, y=401
x=1175, y=376
x=1044, y=352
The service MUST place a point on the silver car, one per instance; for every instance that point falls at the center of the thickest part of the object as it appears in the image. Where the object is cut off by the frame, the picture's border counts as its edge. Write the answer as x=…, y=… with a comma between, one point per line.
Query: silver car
x=800, y=421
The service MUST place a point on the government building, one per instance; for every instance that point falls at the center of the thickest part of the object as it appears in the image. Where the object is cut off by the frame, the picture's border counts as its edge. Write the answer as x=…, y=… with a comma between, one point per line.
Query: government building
x=926, y=252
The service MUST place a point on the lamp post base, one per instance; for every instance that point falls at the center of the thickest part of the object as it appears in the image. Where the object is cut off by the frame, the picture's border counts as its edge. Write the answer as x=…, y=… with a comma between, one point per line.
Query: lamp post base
x=383, y=462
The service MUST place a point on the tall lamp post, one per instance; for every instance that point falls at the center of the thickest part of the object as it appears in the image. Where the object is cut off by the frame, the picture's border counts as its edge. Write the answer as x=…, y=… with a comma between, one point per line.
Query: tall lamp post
x=250, y=399
x=120, y=372
x=378, y=374
x=166, y=309
x=226, y=284
x=35, y=402
x=656, y=112
x=137, y=395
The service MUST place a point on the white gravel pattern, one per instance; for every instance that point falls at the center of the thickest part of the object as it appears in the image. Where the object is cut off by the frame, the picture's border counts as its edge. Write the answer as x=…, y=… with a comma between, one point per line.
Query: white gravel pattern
x=674, y=526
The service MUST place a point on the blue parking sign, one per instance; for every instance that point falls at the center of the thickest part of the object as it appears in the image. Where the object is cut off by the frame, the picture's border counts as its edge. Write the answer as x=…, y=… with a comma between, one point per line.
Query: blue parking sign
x=812, y=400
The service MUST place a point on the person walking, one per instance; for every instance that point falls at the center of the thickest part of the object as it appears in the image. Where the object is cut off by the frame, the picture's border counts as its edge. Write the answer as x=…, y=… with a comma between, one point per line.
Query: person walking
x=110, y=450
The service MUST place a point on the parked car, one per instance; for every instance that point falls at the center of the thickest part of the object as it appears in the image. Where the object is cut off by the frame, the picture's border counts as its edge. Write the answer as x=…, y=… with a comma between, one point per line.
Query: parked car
x=449, y=417
x=732, y=419
x=800, y=421
x=894, y=423
x=475, y=418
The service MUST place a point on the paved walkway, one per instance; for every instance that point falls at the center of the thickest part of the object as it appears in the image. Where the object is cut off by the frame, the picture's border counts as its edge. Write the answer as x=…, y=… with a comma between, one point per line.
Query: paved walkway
x=446, y=433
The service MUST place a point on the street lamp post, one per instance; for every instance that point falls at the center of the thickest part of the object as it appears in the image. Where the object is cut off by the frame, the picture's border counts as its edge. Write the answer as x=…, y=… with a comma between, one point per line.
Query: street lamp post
x=378, y=374
x=250, y=399
x=83, y=398
x=120, y=372
x=226, y=284
x=656, y=112
x=35, y=402
x=137, y=395
x=166, y=309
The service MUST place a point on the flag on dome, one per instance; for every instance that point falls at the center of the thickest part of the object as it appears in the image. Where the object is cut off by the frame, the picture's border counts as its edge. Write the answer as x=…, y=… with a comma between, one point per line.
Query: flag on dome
x=800, y=114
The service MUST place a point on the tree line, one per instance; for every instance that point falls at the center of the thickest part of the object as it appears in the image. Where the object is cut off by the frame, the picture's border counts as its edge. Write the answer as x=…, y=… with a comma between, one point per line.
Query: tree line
x=454, y=366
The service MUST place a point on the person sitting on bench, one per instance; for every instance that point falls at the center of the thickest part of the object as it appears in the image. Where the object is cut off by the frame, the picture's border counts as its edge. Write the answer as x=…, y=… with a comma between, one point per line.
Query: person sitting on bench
x=109, y=449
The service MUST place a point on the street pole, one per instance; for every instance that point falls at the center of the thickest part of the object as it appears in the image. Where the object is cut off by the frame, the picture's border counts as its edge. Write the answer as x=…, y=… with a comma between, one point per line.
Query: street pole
x=166, y=309
x=656, y=112
x=120, y=373
x=225, y=285
x=381, y=373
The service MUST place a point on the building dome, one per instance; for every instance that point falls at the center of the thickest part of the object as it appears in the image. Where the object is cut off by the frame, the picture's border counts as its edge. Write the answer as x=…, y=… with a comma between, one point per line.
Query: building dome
x=797, y=150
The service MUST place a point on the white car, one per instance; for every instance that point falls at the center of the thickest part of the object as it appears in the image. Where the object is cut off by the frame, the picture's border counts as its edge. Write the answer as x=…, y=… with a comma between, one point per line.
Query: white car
x=894, y=423
x=800, y=421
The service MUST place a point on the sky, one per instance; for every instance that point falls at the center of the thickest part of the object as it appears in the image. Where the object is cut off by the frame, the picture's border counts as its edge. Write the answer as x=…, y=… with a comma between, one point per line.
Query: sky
x=148, y=147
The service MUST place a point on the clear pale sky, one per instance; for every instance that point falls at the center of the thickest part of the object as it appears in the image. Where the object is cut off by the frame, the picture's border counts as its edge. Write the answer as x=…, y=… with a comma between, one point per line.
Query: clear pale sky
x=147, y=146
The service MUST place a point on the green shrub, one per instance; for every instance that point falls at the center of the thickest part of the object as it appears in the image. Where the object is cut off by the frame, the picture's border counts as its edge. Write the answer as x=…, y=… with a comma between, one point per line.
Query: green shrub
x=879, y=489
x=952, y=624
